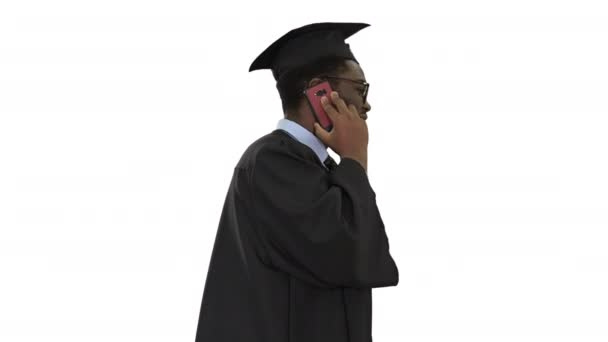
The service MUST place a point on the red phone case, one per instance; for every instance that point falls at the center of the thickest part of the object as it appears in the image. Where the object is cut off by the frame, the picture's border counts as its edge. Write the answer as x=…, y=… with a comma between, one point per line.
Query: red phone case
x=313, y=96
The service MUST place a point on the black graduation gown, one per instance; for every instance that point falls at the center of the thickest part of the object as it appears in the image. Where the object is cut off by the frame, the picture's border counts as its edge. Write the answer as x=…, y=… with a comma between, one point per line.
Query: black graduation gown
x=297, y=251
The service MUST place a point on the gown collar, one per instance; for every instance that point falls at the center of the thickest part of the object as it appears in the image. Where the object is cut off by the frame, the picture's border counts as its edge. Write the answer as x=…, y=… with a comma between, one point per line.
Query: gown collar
x=304, y=136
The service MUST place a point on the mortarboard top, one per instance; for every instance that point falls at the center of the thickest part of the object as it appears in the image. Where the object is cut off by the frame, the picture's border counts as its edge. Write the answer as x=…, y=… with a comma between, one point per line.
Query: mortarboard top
x=306, y=44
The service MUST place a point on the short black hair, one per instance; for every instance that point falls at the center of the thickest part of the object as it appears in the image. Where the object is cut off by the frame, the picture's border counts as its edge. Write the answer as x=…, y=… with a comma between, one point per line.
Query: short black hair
x=291, y=84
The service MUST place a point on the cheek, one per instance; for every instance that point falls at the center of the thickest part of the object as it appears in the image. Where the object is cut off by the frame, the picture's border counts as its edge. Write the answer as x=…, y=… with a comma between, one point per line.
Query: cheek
x=353, y=99
x=357, y=102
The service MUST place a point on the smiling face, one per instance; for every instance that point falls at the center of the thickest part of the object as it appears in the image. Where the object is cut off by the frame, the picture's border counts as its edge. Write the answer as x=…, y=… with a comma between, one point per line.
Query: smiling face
x=350, y=92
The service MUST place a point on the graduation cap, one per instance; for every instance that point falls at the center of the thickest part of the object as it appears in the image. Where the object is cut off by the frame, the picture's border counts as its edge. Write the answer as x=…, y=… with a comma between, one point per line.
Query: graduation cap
x=304, y=45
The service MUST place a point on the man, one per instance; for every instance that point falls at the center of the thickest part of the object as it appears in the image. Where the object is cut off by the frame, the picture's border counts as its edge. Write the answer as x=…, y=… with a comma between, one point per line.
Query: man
x=300, y=242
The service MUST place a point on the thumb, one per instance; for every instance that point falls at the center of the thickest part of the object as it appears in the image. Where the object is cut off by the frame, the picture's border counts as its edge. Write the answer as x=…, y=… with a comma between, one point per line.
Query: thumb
x=320, y=132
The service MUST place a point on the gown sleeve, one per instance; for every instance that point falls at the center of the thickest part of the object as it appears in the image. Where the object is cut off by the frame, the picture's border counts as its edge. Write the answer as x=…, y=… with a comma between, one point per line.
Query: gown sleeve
x=328, y=234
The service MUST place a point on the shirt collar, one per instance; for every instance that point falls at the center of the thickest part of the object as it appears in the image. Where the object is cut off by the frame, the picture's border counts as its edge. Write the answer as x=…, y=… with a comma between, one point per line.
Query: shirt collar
x=304, y=136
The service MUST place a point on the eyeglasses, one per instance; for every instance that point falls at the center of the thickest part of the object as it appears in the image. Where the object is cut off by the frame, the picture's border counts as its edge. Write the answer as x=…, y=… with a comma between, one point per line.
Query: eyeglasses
x=363, y=83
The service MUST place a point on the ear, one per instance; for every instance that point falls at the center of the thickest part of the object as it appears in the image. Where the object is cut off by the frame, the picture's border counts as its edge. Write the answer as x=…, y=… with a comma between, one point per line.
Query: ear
x=314, y=81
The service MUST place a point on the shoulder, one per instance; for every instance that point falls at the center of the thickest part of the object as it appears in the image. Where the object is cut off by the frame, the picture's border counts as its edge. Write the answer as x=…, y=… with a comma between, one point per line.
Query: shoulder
x=277, y=149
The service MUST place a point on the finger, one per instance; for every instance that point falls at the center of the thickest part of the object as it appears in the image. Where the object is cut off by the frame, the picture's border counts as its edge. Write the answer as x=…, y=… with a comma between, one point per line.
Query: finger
x=329, y=108
x=339, y=102
x=353, y=110
x=321, y=133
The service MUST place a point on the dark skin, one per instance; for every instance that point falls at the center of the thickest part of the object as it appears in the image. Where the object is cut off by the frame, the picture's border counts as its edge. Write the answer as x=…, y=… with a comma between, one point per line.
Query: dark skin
x=350, y=92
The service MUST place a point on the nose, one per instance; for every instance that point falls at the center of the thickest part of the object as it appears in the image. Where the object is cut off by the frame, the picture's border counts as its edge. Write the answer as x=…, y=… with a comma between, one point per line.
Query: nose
x=367, y=107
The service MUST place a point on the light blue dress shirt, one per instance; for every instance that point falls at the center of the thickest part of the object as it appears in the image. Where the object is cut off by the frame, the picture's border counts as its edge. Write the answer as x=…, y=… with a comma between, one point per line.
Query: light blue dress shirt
x=304, y=136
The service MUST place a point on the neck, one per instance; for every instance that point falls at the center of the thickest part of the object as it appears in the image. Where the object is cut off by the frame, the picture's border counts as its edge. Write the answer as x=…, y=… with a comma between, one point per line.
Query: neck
x=304, y=118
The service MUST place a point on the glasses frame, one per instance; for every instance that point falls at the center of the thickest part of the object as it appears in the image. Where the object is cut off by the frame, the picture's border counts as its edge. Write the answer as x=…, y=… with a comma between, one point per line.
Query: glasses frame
x=363, y=83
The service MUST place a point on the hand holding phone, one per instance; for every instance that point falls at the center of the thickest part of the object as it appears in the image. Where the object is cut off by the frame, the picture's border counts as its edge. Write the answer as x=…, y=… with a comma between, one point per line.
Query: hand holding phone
x=349, y=136
x=313, y=97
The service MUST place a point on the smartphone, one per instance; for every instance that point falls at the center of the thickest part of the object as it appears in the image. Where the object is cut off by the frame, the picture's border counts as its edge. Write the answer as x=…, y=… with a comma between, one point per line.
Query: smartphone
x=313, y=97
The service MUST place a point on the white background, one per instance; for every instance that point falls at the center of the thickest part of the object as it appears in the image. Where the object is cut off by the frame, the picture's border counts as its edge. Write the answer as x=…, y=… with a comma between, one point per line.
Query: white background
x=121, y=122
